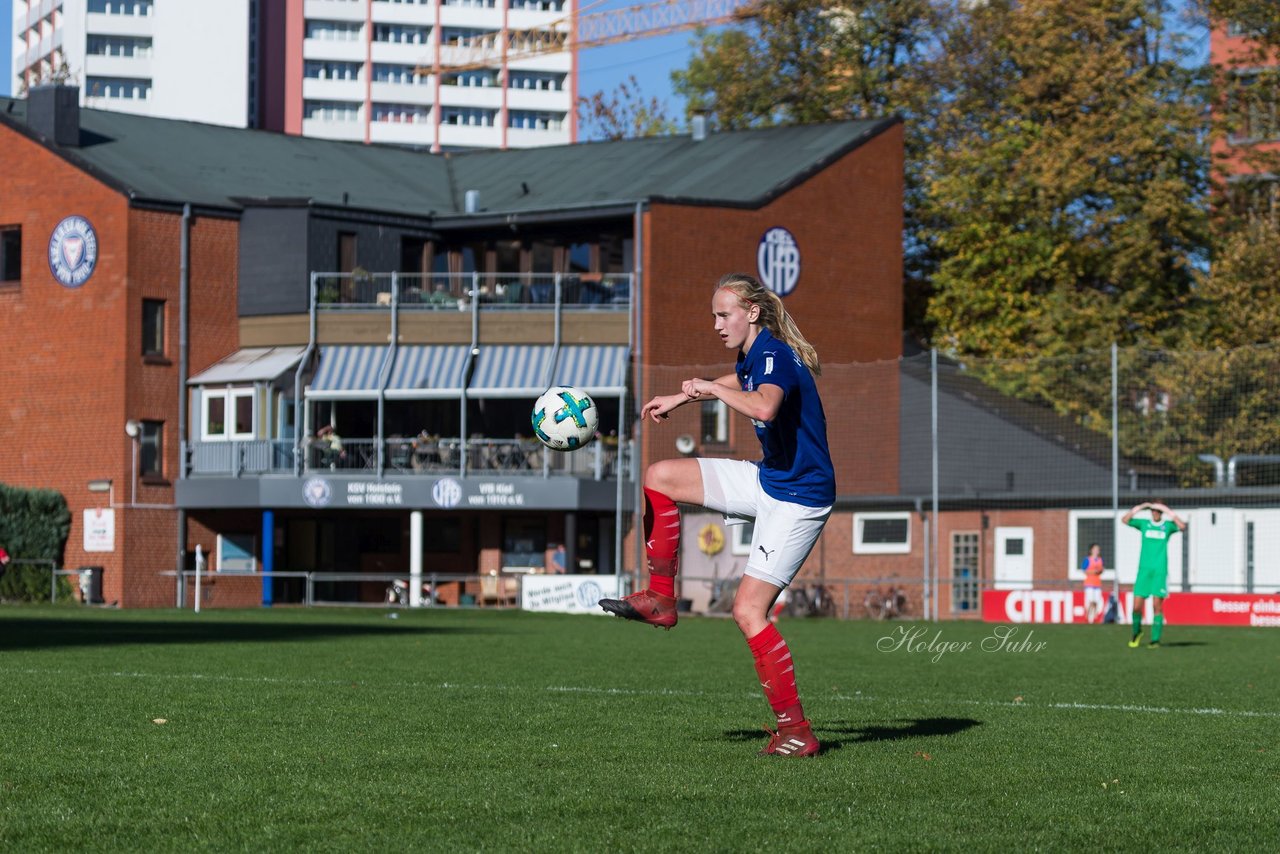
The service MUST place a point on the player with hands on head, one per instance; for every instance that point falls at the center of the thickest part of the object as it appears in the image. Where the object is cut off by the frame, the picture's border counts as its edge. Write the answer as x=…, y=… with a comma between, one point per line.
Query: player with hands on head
x=1153, y=565
x=789, y=492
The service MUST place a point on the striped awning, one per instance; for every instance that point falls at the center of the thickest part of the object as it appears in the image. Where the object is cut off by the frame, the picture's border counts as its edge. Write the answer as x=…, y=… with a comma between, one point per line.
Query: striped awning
x=426, y=372
x=597, y=369
x=348, y=371
x=511, y=370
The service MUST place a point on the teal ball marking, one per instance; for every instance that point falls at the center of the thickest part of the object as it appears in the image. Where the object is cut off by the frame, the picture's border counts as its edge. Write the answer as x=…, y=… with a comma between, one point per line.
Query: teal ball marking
x=540, y=415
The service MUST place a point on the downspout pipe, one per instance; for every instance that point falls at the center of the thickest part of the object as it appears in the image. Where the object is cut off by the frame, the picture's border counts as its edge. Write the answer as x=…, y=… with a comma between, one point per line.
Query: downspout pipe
x=184, y=348
x=299, y=429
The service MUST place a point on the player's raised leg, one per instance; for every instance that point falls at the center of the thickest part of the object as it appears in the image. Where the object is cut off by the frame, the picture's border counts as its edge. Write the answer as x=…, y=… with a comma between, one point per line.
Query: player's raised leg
x=665, y=483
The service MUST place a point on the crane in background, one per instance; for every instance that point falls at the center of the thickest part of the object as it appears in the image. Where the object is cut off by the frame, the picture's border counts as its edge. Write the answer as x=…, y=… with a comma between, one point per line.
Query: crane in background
x=581, y=30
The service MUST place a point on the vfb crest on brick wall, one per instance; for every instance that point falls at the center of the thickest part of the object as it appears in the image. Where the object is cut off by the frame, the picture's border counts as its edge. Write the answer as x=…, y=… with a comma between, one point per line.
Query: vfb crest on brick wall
x=778, y=260
x=73, y=251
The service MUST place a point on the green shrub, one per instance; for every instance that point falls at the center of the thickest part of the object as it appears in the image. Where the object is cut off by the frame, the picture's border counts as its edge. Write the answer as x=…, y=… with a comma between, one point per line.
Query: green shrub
x=34, y=524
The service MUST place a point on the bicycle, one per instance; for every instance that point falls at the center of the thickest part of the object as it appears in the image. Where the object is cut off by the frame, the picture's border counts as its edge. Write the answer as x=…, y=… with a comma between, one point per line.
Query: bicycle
x=812, y=601
x=398, y=593
x=886, y=604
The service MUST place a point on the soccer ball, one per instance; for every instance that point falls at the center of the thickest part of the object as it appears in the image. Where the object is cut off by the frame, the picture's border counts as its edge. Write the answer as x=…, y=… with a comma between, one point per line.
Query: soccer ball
x=565, y=419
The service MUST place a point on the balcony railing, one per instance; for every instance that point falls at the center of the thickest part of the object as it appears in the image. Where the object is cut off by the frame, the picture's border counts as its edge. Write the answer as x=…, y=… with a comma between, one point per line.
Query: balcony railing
x=602, y=460
x=468, y=291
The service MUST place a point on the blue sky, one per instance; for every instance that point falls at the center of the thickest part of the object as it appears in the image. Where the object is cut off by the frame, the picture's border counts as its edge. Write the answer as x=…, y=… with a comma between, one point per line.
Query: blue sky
x=6, y=47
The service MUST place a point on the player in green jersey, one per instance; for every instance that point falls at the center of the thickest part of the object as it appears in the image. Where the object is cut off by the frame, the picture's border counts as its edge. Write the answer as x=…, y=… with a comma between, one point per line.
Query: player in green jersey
x=1153, y=565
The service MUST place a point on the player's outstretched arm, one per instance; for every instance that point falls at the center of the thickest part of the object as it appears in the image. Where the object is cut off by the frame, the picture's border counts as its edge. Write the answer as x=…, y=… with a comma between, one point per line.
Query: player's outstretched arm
x=1177, y=520
x=658, y=408
x=761, y=404
x=1137, y=508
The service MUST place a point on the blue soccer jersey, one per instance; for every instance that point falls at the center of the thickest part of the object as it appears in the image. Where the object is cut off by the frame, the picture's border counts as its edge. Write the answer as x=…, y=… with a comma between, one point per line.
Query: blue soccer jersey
x=797, y=462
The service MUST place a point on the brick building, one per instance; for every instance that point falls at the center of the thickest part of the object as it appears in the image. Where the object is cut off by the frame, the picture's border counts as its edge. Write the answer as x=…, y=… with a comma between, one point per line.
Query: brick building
x=194, y=301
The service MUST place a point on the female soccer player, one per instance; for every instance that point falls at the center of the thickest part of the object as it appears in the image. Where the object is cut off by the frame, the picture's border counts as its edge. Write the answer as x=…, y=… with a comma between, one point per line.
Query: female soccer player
x=789, y=493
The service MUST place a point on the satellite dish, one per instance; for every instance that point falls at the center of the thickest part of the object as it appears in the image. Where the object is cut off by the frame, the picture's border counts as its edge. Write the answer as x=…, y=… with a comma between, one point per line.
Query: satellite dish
x=132, y=428
x=685, y=444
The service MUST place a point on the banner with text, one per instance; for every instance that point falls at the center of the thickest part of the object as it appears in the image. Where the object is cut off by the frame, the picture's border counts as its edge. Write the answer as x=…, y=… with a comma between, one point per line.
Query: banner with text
x=1180, y=609
x=567, y=594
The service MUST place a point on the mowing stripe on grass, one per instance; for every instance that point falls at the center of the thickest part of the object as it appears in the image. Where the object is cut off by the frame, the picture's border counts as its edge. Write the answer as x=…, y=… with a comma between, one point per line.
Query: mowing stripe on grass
x=665, y=692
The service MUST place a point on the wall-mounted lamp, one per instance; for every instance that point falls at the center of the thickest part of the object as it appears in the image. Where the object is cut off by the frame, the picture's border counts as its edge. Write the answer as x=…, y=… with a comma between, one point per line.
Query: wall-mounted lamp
x=103, y=485
x=133, y=429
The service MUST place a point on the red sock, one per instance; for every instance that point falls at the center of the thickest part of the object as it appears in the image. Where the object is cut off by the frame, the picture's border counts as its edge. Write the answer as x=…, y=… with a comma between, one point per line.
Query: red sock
x=661, y=541
x=777, y=675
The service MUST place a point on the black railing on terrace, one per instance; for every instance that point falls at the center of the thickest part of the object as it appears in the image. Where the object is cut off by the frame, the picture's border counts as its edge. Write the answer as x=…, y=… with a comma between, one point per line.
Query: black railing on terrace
x=602, y=460
x=465, y=291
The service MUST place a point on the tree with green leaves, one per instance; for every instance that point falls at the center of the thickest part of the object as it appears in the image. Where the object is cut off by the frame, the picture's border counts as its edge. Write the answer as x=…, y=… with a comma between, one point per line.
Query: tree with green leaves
x=1067, y=186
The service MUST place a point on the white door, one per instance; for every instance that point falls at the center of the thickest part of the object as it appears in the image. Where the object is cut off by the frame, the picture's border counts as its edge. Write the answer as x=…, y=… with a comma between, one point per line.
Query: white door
x=1014, y=547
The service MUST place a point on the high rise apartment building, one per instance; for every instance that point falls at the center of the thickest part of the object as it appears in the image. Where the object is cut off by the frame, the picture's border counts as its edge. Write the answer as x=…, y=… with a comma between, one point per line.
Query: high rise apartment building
x=180, y=60
x=361, y=70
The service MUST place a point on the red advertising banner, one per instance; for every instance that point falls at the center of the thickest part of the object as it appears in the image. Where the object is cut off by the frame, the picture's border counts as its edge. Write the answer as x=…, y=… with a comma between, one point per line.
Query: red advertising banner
x=1180, y=609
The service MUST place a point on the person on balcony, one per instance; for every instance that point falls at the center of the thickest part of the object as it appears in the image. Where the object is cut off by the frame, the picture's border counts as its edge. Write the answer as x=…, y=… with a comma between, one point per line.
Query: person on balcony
x=330, y=445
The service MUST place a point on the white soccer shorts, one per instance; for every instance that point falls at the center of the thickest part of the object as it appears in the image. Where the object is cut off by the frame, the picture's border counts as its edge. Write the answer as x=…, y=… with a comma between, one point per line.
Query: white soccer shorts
x=784, y=533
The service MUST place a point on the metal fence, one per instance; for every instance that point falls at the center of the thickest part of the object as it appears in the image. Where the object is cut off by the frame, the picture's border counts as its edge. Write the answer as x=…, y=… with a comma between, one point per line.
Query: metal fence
x=433, y=456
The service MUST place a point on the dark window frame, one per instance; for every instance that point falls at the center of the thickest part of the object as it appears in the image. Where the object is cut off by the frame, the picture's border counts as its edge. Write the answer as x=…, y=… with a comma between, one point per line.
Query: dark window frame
x=10, y=255
x=151, y=452
x=154, y=340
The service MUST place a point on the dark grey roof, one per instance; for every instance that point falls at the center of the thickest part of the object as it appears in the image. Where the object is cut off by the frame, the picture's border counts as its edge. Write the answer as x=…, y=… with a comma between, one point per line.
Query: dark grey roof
x=162, y=160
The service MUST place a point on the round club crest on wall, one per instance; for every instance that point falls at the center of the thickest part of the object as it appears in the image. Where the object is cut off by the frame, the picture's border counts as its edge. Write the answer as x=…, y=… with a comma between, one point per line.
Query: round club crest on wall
x=73, y=251
x=778, y=261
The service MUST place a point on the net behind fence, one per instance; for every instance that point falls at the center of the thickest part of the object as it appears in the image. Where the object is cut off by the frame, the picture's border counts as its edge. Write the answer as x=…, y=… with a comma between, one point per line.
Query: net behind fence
x=1030, y=463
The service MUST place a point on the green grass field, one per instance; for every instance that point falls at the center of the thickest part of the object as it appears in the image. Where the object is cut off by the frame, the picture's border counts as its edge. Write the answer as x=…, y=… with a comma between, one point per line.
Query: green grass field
x=464, y=730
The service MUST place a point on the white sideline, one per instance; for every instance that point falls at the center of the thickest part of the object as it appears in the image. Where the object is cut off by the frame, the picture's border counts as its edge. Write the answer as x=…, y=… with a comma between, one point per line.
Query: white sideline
x=666, y=692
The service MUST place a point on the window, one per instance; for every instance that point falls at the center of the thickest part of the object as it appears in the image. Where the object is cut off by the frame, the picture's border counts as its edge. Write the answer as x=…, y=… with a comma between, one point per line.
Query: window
x=537, y=80
x=333, y=31
x=881, y=533
x=346, y=252
x=715, y=422
x=228, y=415
x=121, y=88
x=413, y=255
x=151, y=449
x=401, y=34
x=125, y=46
x=400, y=113
x=153, y=327
x=1254, y=197
x=10, y=255
x=524, y=541
x=329, y=70
x=140, y=8
x=476, y=77
x=331, y=111
x=236, y=553
x=408, y=74
x=1089, y=527
x=529, y=120
x=473, y=116
x=964, y=571
x=1253, y=113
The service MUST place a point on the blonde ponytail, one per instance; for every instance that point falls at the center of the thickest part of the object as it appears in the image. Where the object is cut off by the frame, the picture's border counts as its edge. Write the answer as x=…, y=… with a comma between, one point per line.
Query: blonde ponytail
x=772, y=316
